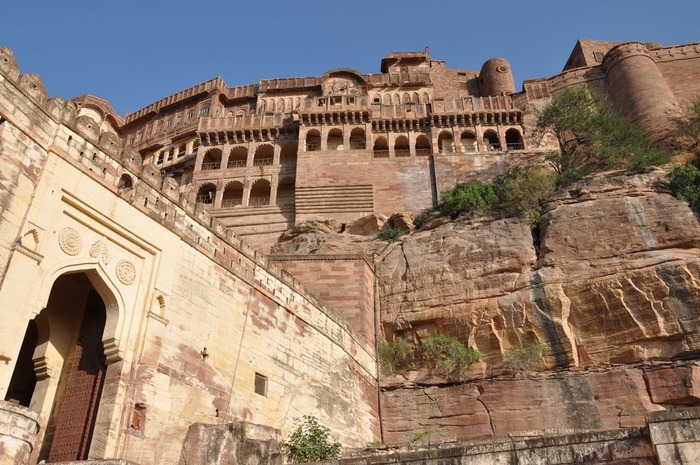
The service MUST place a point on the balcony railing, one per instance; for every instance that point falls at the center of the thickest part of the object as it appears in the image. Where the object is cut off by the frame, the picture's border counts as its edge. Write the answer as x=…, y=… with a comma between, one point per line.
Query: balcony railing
x=211, y=165
x=259, y=201
x=493, y=147
x=236, y=164
x=514, y=146
x=402, y=152
x=263, y=162
x=357, y=145
x=378, y=153
x=230, y=203
x=423, y=152
x=313, y=147
x=447, y=149
x=207, y=199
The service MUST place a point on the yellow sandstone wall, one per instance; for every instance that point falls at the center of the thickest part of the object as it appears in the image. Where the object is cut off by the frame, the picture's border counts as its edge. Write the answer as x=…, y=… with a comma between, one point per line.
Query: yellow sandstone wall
x=192, y=314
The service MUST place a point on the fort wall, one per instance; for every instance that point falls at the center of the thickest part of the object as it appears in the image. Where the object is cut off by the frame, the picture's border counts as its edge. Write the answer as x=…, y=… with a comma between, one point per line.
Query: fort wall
x=199, y=326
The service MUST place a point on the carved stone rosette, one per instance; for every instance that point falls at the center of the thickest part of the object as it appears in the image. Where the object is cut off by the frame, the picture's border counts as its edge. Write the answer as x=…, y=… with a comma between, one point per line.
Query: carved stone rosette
x=70, y=242
x=126, y=272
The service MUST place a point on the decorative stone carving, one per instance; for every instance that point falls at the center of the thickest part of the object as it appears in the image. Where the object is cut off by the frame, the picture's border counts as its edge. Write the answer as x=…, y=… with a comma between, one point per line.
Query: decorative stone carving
x=126, y=272
x=70, y=242
x=99, y=250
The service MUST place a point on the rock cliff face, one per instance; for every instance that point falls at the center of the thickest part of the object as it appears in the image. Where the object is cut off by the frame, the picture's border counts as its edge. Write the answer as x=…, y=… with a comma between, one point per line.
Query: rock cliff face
x=610, y=283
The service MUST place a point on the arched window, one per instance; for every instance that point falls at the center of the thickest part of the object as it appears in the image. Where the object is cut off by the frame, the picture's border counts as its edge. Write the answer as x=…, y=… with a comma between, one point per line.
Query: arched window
x=233, y=195
x=280, y=105
x=446, y=143
x=313, y=141
x=238, y=157
x=381, y=148
x=357, y=139
x=285, y=192
x=491, y=141
x=288, y=154
x=386, y=99
x=212, y=160
x=423, y=146
x=264, y=155
x=468, y=142
x=514, y=140
x=335, y=139
x=206, y=194
x=401, y=147
x=125, y=183
x=260, y=193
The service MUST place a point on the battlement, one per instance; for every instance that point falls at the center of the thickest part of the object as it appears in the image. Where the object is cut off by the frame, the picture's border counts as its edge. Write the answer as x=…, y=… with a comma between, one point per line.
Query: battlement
x=205, y=87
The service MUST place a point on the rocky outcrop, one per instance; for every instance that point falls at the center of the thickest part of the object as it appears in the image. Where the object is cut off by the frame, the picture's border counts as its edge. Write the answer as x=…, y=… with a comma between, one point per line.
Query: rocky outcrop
x=609, y=284
x=610, y=277
x=610, y=280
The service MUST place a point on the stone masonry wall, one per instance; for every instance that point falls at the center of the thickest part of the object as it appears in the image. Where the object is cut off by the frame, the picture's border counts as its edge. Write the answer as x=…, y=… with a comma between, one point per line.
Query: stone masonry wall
x=345, y=282
x=192, y=315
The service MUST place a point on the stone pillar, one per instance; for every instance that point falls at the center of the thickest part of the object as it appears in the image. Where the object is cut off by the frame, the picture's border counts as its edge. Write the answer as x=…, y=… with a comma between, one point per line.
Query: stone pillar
x=639, y=90
x=18, y=429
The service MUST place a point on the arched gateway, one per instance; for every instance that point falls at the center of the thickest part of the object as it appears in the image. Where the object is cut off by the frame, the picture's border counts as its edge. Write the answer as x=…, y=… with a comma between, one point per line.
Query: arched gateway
x=61, y=368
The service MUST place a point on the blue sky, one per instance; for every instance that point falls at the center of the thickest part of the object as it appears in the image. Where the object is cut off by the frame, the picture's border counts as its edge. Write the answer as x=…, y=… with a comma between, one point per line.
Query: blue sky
x=135, y=52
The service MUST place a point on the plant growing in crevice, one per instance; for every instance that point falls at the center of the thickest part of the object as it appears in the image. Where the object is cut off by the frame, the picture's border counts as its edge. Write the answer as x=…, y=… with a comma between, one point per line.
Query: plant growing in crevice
x=395, y=356
x=390, y=234
x=449, y=354
x=684, y=182
x=310, y=442
x=526, y=357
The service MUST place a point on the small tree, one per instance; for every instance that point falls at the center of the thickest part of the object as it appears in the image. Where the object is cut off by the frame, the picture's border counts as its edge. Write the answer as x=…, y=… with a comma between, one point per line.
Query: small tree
x=310, y=442
x=688, y=123
x=592, y=136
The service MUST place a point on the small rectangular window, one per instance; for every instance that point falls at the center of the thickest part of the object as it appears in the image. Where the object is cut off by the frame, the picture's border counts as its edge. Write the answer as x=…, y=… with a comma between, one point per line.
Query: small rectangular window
x=260, y=384
x=169, y=123
x=161, y=156
x=204, y=111
x=190, y=115
x=598, y=56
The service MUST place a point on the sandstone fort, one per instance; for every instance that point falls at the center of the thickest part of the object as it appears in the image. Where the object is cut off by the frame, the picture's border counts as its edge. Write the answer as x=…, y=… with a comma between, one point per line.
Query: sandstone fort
x=180, y=283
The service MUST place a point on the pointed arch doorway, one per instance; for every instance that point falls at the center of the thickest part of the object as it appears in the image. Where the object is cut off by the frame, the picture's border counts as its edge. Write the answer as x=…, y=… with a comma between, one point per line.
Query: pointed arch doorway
x=64, y=346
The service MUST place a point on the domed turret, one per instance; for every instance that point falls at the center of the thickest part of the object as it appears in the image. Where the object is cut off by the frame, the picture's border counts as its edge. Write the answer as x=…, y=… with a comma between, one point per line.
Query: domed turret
x=496, y=78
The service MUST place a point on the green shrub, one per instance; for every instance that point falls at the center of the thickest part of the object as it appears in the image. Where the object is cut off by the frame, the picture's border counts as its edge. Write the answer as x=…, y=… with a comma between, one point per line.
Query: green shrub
x=394, y=357
x=684, y=181
x=449, y=353
x=522, y=192
x=420, y=218
x=526, y=357
x=390, y=234
x=468, y=198
x=310, y=442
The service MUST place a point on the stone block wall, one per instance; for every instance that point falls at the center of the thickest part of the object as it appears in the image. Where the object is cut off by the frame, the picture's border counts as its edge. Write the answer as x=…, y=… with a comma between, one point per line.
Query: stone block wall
x=676, y=435
x=18, y=429
x=344, y=281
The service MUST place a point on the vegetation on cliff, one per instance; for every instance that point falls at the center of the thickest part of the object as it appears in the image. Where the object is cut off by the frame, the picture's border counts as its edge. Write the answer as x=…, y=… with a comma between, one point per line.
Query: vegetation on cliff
x=593, y=136
x=517, y=192
x=444, y=354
